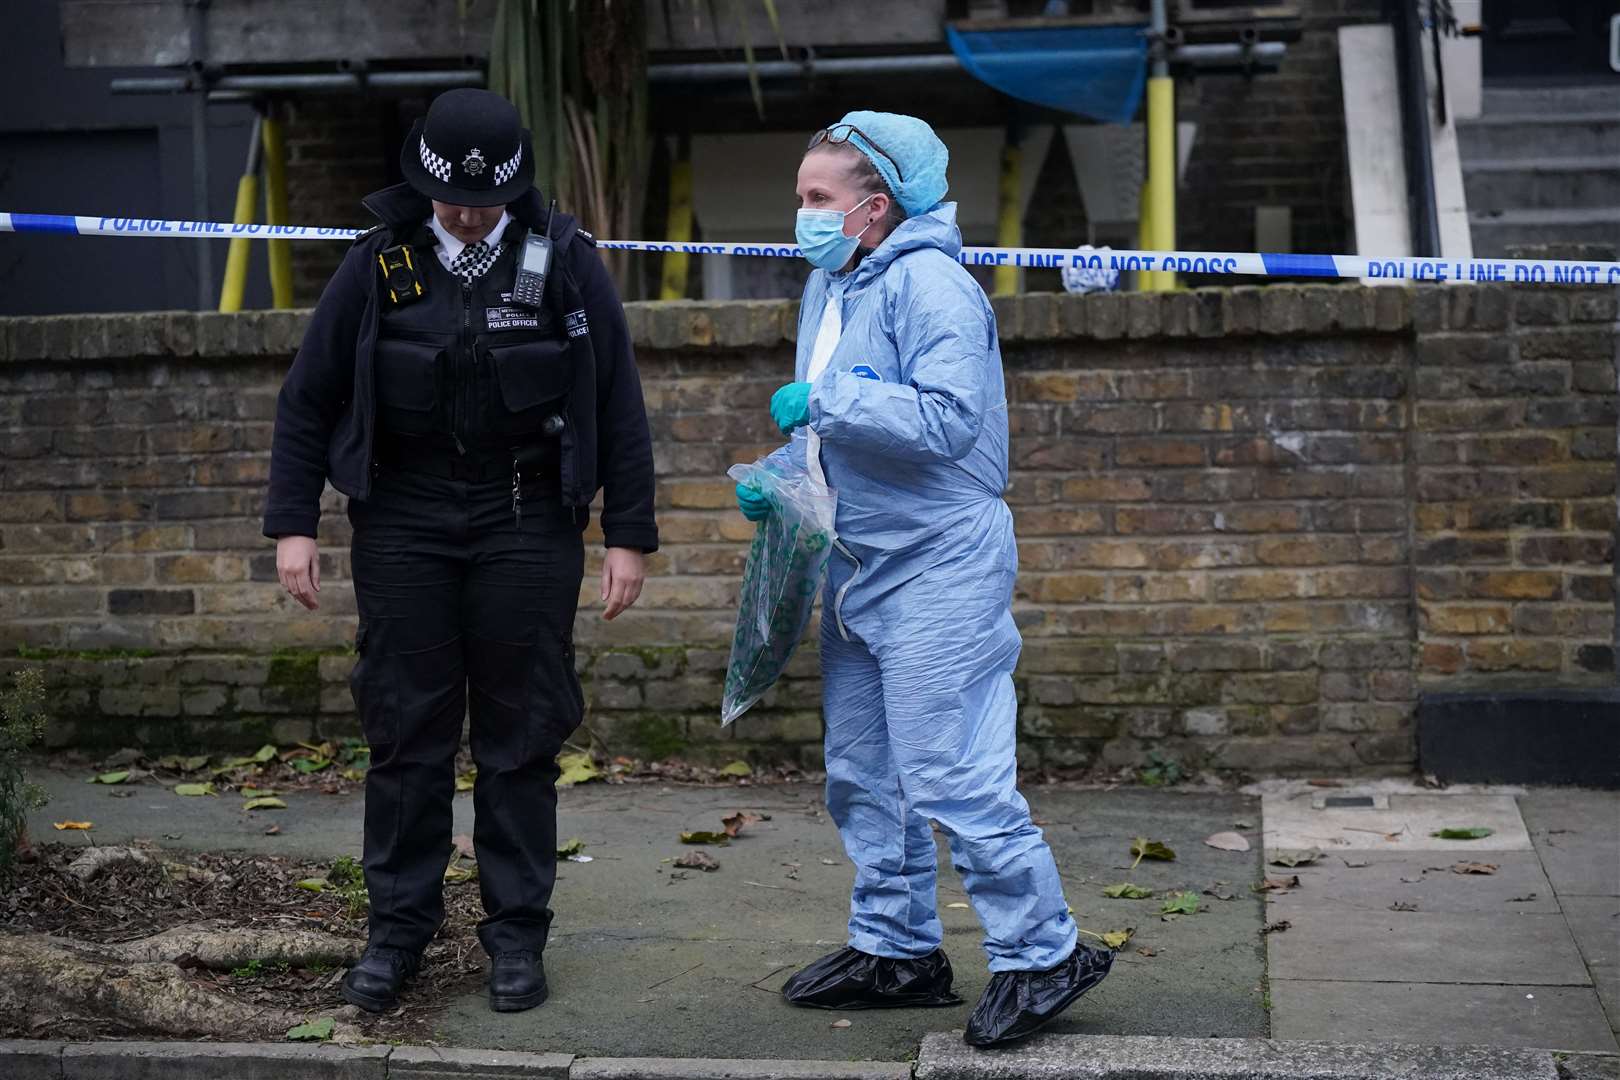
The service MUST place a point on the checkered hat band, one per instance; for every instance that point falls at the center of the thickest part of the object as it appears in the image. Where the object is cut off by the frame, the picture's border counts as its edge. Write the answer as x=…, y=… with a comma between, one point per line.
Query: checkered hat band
x=507, y=170
x=433, y=163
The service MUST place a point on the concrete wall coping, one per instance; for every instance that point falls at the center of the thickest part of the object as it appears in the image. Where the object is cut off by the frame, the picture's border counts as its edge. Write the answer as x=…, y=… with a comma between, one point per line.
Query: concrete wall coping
x=1241, y=311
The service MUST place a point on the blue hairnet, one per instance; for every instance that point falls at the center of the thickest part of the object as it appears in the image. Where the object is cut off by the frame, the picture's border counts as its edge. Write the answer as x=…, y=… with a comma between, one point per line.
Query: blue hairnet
x=916, y=150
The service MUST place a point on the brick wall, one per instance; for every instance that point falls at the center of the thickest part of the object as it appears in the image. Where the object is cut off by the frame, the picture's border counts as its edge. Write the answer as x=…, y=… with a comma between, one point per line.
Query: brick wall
x=1254, y=523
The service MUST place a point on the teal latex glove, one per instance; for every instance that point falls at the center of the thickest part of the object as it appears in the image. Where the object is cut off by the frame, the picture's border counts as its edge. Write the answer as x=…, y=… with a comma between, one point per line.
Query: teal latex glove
x=790, y=407
x=755, y=505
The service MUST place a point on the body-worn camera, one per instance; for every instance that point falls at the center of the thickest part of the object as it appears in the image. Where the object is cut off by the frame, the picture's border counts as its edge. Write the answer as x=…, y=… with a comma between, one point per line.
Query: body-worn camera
x=401, y=276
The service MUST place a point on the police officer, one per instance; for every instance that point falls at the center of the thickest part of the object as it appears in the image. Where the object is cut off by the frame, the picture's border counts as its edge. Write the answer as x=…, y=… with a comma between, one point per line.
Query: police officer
x=471, y=421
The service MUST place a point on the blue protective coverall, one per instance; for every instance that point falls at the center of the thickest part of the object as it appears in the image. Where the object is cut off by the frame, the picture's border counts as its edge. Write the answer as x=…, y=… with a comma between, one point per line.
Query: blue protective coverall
x=918, y=643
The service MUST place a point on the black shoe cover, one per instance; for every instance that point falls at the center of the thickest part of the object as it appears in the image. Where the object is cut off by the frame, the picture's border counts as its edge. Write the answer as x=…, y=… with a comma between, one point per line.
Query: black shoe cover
x=1017, y=1003
x=851, y=979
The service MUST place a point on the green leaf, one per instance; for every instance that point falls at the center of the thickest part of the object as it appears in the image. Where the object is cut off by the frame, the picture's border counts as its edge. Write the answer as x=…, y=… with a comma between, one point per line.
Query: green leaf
x=705, y=838
x=264, y=754
x=1185, y=903
x=465, y=781
x=251, y=792
x=310, y=765
x=264, y=803
x=192, y=764
x=111, y=777
x=193, y=789
x=1475, y=833
x=1126, y=891
x=314, y=1031
x=353, y=774
x=313, y=884
x=1143, y=848
x=1116, y=939
x=738, y=769
x=576, y=769
x=572, y=847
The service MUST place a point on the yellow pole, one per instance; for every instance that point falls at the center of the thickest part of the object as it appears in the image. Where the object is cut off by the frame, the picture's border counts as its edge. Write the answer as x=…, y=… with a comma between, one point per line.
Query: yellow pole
x=247, y=199
x=678, y=230
x=1161, y=180
x=275, y=211
x=1010, y=217
x=1144, y=237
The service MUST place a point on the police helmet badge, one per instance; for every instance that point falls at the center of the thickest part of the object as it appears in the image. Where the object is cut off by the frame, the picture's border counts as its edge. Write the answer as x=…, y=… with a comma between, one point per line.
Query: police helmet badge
x=473, y=163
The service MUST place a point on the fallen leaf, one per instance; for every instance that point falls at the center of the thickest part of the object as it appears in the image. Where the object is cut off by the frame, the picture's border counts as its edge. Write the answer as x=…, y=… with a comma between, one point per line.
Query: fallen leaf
x=1295, y=858
x=1116, y=939
x=460, y=875
x=313, y=884
x=1220, y=892
x=1143, y=950
x=308, y=765
x=737, y=768
x=1473, y=868
x=193, y=790
x=314, y=1031
x=1273, y=884
x=1354, y=865
x=463, y=845
x=356, y=775
x=274, y=830
x=1143, y=848
x=701, y=837
x=254, y=793
x=264, y=754
x=172, y=835
x=465, y=781
x=80, y=825
x=1242, y=824
x=265, y=803
x=698, y=860
x=576, y=769
x=111, y=777
x=1475, y=832
x=570, y=848
x=1404, y=905
x=1528, y=898
x=1276, y=927
x=1126, y=891
x=736, y=823
x=1183, y=903
x=829, y=862
x=958, y=905
x=1227, y=841
x=839, y=1025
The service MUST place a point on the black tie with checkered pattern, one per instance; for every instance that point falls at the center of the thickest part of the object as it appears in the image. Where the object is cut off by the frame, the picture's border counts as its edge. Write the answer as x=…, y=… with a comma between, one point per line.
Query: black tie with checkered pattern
x=474, y=261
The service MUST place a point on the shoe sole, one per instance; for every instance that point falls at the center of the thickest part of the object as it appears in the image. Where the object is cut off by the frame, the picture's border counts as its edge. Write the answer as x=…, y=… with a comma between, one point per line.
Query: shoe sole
x=518, y=1002
x=366, y=1001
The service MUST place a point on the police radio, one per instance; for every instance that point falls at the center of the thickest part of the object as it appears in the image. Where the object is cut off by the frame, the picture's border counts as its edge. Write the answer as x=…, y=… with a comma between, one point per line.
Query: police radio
x=530, y=285
x=401, y=276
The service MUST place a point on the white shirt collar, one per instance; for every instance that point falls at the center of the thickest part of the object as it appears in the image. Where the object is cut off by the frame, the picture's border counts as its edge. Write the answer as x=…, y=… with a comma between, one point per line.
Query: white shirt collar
x=452, y=247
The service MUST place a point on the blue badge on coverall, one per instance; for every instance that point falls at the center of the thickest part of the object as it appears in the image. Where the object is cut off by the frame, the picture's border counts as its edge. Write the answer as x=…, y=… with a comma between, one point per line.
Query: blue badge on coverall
x=865, y=372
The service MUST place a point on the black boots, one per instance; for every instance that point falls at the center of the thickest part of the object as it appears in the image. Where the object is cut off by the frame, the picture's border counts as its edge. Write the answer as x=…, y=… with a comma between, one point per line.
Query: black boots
x=517, y=981
x=851, y=979
x=375, y=982
x=1017, y=1003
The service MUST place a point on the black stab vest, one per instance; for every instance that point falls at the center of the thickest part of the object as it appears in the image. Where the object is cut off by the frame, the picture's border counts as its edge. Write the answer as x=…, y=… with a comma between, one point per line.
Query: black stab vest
x=464, y=369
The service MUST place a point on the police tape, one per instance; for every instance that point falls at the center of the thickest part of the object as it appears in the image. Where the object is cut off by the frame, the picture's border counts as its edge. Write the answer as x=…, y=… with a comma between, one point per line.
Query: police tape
x=1252, y=264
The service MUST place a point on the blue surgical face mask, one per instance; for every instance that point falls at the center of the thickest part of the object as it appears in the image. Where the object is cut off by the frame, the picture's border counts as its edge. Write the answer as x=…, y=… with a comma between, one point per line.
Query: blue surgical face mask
x=821, y=236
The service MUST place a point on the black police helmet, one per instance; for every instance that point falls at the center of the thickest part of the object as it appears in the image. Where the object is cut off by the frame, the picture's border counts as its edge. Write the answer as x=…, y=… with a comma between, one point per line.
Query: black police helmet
x=471, y=150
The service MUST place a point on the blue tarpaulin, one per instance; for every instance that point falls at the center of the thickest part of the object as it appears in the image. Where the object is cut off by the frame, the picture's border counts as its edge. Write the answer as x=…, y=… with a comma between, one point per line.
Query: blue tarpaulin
x=1094, y=71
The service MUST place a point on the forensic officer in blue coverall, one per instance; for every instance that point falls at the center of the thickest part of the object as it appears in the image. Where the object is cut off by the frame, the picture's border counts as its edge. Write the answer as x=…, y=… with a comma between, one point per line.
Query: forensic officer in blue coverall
x=900, y=407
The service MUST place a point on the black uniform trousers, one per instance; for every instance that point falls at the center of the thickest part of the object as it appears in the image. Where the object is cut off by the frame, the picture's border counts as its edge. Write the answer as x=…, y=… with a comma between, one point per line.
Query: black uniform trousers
x=463, y=611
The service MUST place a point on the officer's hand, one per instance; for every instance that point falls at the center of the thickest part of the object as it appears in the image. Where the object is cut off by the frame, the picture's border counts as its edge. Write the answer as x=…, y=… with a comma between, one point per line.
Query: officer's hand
x=623, y=571
x=298, y=565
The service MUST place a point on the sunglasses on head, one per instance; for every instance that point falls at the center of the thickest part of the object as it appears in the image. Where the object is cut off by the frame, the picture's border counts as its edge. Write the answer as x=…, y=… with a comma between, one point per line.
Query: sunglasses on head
x=840, y=133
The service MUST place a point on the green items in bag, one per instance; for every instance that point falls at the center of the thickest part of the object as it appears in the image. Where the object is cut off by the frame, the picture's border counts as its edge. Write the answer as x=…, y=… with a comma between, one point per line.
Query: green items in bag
x=780, y=582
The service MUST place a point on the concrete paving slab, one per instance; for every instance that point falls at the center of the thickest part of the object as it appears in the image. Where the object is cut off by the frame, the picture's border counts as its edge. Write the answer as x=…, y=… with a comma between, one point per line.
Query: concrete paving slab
x=1577, y=834
x=447, y=1063
x=1546, y=1017
x=1060, y=1057
x=1425, y=878
x=1595, y=922
x=30, y=1059
x=212, y=1061
x=1590, y=1067
x=1292, y=822
x=1419, y=946
x=720, y=1069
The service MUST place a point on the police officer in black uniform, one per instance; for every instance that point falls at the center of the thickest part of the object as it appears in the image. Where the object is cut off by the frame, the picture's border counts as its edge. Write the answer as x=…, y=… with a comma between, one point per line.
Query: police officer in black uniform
x=467, y=380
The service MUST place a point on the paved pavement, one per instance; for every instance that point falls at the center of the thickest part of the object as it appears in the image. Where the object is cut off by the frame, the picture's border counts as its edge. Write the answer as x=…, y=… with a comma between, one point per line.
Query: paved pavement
x=644, y=962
